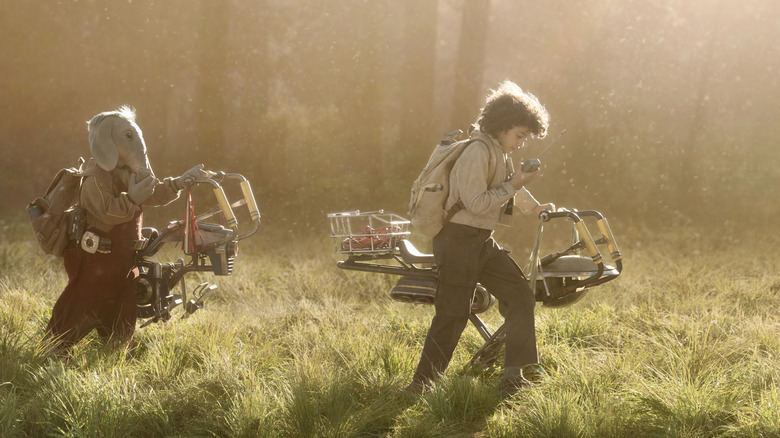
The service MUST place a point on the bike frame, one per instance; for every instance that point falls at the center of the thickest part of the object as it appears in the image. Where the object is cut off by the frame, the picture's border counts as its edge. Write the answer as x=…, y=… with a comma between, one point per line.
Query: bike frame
x=157, y=280
x=576, y=274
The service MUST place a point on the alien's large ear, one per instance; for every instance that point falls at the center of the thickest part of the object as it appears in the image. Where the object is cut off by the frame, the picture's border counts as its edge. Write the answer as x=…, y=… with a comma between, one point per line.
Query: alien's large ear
x=101, y=142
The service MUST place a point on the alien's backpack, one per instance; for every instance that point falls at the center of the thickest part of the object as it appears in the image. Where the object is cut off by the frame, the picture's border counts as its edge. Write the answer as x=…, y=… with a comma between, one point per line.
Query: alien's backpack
x=432, y=188
x=55, y=217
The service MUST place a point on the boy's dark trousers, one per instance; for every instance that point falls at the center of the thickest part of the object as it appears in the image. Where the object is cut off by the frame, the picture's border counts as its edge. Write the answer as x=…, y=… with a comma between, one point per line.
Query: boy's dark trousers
x=466, y=255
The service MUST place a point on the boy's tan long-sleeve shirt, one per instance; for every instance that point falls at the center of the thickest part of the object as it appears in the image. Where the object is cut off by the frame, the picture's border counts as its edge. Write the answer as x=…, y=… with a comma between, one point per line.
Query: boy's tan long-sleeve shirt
x=484, y=201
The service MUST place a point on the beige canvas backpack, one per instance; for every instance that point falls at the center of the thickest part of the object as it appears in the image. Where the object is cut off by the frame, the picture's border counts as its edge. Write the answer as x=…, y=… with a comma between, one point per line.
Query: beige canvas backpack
x=432, y=188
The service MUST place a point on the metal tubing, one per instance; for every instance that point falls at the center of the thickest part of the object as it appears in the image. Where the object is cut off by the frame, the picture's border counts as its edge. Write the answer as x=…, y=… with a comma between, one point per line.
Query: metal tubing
x=589, y=243
x=251, y=204
x=480, y=326
x=230, y=218
x=611, y=244
x=387, y=269
x=246, y=189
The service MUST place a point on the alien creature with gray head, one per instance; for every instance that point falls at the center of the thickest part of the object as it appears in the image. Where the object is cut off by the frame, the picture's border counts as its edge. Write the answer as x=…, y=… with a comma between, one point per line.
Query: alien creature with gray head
x=117, y=183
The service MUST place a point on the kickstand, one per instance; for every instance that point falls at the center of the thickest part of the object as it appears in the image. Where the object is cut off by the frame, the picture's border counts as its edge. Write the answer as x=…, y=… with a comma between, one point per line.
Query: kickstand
x=488, y=353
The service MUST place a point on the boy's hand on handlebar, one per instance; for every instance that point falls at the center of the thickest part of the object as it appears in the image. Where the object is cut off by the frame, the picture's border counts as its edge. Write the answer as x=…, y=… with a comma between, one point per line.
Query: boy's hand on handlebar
x=520, y=178
x=550, y=207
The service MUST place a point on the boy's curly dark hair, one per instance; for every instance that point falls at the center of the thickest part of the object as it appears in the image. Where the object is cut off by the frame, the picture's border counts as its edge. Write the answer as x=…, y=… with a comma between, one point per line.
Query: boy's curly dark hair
x=510, y=106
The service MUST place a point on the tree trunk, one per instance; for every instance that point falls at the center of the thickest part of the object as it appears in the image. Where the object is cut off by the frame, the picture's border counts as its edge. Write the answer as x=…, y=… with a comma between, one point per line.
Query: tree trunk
x=468, y=92
x=417, y=119
x=212, y=39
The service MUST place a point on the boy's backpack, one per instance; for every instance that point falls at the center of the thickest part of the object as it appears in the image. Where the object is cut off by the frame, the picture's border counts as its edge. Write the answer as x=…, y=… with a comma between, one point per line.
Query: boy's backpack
x=432, y=188
x=50, y=215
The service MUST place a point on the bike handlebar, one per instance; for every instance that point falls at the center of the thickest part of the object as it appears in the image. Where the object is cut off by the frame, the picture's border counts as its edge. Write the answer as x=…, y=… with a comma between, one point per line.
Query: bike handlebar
x=587, y=240
x=216, y=179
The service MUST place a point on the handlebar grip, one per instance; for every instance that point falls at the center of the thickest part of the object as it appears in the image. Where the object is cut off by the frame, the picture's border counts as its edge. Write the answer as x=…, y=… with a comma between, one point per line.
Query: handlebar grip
x=224, y=205
x=547, y=215
x=249, y=197
x=590, y=213
x=589, y=243
x=611, y=244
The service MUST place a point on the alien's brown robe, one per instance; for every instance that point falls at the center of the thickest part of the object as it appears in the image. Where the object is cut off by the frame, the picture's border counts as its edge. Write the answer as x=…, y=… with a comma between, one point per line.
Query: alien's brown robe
x=100, y=293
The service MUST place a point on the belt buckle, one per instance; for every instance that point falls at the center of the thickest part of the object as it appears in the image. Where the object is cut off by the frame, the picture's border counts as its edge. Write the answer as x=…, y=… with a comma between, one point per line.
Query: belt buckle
x=140, y=245
x=92, y=243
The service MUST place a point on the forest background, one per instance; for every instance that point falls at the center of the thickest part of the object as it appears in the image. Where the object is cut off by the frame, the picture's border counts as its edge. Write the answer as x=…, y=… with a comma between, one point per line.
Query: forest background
x=670, y=107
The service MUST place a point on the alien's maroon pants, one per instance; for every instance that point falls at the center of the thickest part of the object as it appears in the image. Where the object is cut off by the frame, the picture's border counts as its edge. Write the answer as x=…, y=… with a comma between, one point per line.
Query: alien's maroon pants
x=100, y=294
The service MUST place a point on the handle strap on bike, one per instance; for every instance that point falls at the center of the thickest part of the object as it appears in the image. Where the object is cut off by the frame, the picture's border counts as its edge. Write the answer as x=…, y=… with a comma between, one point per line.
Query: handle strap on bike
x=534, y=261
x=189, y=243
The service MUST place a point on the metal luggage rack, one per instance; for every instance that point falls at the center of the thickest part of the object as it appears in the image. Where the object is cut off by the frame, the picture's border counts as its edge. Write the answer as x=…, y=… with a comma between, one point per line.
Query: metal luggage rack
x=369, y=234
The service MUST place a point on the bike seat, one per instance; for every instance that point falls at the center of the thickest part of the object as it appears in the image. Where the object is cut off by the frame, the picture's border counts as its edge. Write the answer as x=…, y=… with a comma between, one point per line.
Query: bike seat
x=410, y=254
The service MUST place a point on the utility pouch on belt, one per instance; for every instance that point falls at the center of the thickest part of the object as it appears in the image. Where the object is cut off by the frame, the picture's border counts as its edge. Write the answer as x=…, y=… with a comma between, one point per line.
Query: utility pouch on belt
x=76, y=223
x=92, y=243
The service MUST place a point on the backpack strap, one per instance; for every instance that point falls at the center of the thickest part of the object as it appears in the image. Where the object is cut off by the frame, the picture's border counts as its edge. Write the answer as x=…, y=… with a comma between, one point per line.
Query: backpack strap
x=454, y=209
x=492, y=160
x=80, y=168
x=492, y=165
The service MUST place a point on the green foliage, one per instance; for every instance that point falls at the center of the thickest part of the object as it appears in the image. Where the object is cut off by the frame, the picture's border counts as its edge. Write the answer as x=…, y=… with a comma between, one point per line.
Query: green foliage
x=292, y=346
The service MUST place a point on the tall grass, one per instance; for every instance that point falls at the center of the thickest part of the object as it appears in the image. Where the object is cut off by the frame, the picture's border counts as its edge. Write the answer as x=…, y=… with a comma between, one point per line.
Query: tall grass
x=684, y=343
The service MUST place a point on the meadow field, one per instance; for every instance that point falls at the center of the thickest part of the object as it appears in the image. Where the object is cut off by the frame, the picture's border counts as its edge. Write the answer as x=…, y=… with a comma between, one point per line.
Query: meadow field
x=684, y=343
x=670, y=111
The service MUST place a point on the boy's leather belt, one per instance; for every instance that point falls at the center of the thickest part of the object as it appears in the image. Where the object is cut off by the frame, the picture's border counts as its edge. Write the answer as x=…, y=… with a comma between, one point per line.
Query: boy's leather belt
x=92, y=243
